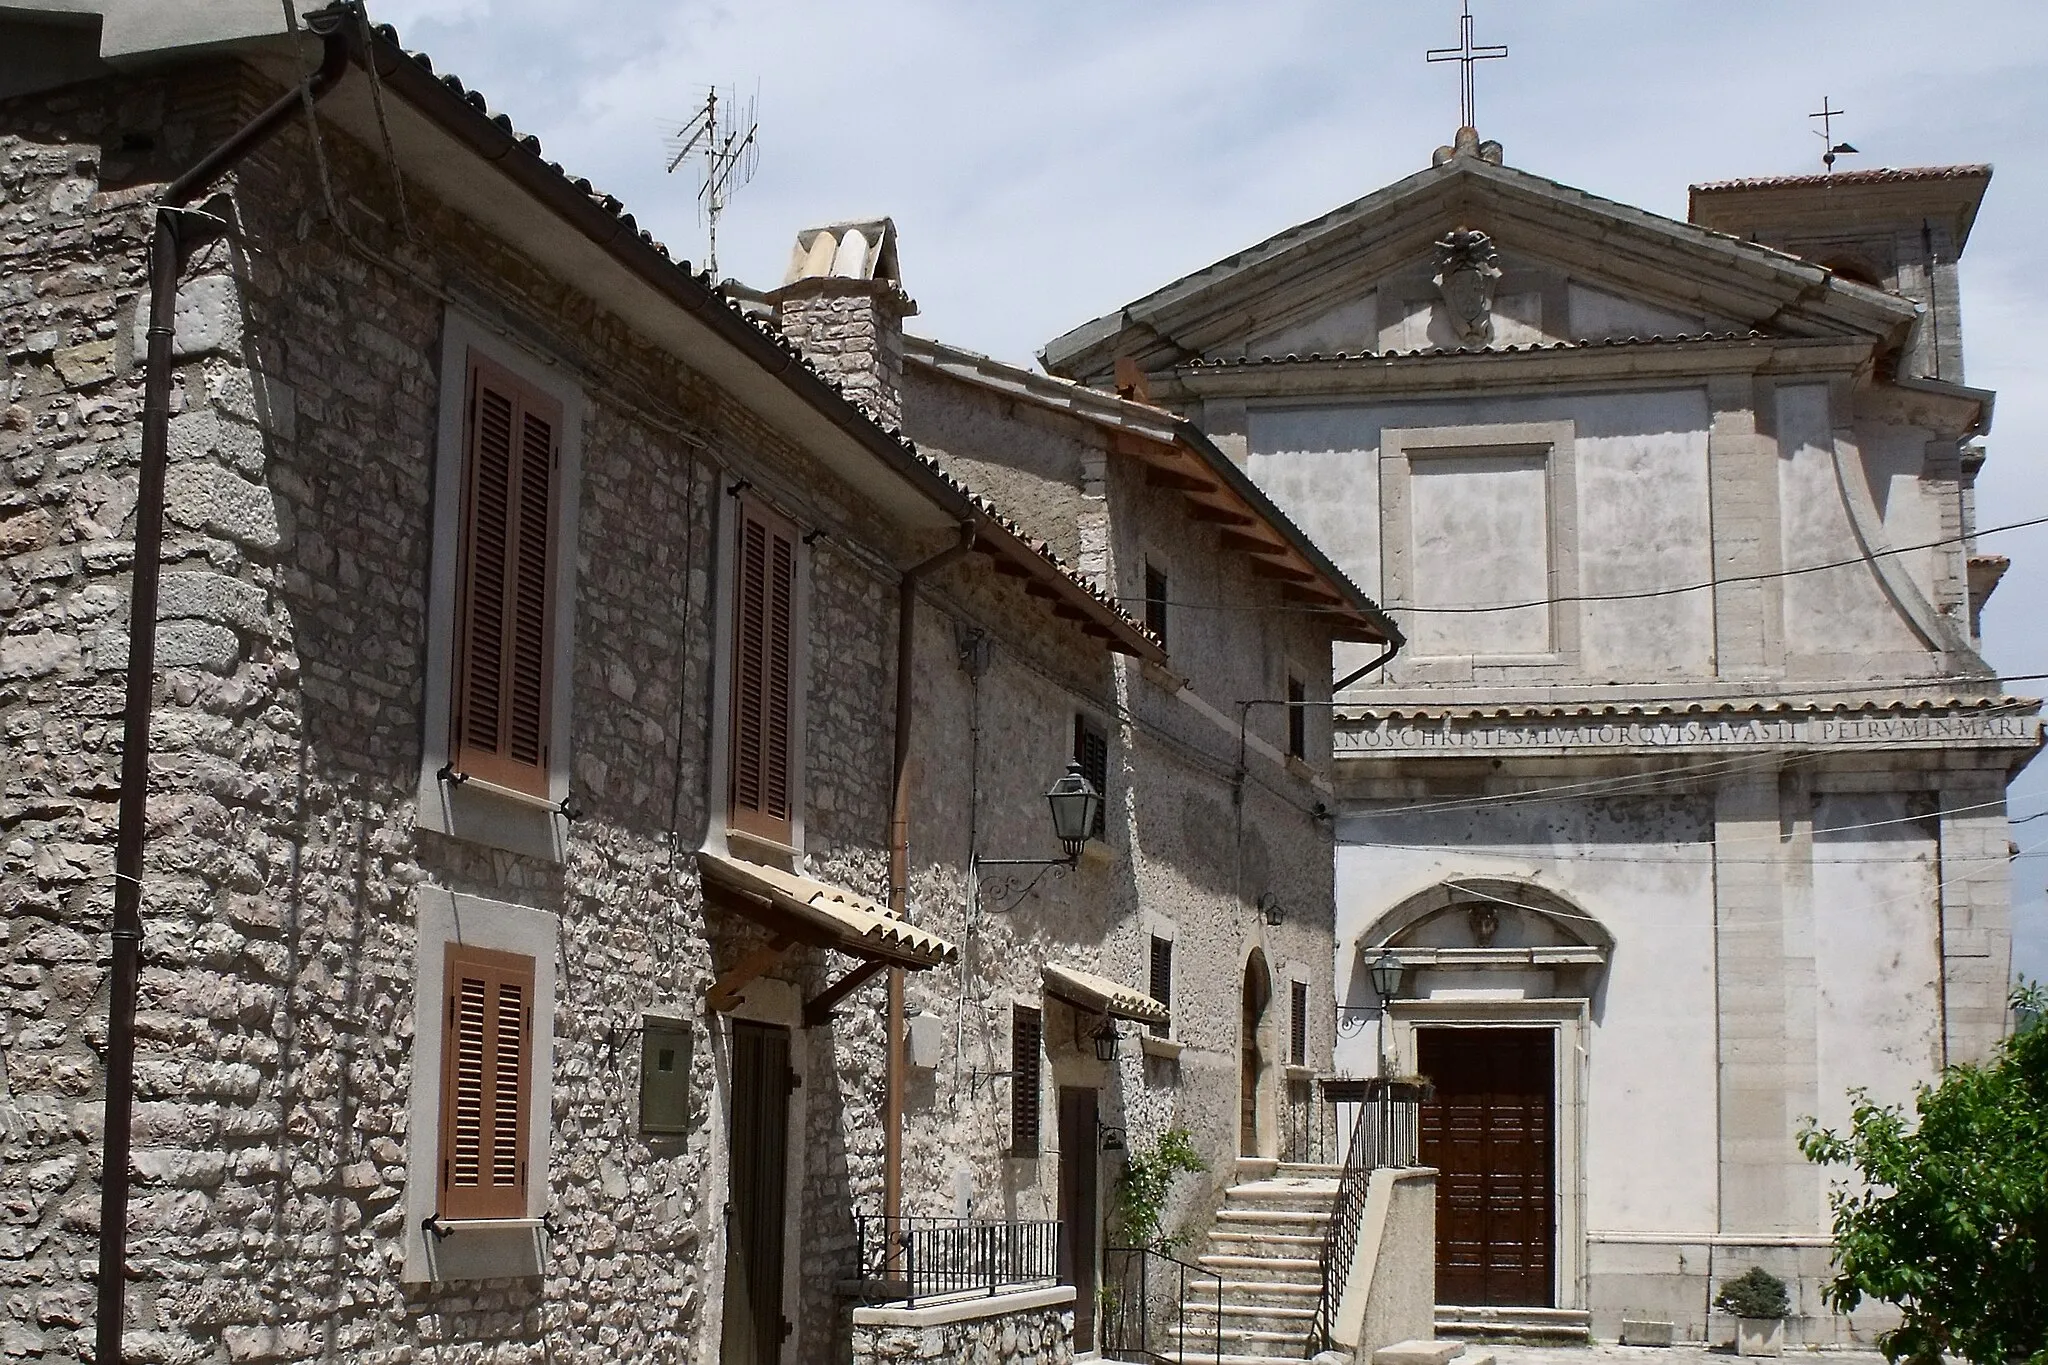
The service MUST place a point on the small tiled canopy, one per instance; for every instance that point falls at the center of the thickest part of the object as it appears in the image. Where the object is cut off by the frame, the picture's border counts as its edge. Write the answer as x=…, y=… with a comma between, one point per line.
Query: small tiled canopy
x=1100, y=995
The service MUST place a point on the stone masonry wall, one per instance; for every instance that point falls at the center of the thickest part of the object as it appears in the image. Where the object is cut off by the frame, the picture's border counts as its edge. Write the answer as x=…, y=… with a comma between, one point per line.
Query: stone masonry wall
x=1039, y=1336
x=277, y=995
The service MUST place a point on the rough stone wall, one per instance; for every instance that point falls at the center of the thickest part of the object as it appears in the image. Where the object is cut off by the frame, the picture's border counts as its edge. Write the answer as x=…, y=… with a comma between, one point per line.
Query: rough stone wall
x=1039, y=1336
x=852, y=331
x=277, y=996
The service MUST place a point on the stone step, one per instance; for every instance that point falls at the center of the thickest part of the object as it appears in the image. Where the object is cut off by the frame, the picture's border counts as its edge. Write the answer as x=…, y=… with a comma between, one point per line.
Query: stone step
x=1227, y=1239
x=1307, y=1170
x=1290, y=1269
x=1195, y=1357
x=1542, y=1324
x=1247, y=1341
x=1275, y=1316
x=1280, y=1291
x=1290, y=1191
x=1272, y=1216
x=1418, y=1353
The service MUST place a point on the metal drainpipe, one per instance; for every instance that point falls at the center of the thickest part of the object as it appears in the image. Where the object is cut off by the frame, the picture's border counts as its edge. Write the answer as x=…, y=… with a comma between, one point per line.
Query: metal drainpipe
x=126, y=966
x=899, y=863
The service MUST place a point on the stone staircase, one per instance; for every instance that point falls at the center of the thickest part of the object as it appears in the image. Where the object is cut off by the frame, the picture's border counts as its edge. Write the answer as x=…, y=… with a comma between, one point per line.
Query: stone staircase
x=1264, y=1254
x=1545, y=1326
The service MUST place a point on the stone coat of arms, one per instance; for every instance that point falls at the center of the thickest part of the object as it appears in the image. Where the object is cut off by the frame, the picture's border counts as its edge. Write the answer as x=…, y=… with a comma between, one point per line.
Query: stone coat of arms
x=1467, y=270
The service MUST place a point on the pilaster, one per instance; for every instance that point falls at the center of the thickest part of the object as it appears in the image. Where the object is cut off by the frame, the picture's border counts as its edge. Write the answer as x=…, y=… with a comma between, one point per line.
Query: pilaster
x=1742, y=481
x=1976, y=916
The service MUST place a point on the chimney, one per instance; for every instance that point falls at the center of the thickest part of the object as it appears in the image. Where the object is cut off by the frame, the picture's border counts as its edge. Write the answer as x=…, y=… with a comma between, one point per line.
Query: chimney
x=842, y=303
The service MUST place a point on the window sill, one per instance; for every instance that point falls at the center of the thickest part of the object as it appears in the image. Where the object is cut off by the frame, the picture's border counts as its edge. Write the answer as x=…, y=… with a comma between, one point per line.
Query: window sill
x=1300, y=768
x=762, y=849
x=1167, y=1049
x=1299, y=1073
x=448, y=1227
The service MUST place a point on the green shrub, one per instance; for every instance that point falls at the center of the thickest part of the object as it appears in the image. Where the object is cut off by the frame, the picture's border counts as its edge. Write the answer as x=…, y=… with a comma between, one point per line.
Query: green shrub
x=1755, y=1293
x=1143, y=1186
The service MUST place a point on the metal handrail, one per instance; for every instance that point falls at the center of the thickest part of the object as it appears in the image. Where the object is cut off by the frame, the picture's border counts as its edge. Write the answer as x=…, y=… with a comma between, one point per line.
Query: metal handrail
x=1384, y=1134
x=1113, y=1332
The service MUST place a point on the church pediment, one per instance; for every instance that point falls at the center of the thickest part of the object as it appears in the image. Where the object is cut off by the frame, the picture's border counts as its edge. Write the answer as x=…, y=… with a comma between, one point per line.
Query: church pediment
x=1469, y=254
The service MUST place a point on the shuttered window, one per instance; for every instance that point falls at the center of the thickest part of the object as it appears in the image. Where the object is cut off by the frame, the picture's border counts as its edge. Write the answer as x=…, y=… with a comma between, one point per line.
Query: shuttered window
x=1297, y=718
x=1155, y=601
x=505, y=582
x=1162, y=976
x=1091, y=751
x=1297, y=1041
x=764, y=633
x=486, y=1083
x=1027, y=1036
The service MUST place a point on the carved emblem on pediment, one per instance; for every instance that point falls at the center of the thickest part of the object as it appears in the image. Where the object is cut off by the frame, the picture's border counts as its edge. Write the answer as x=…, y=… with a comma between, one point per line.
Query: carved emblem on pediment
x=1467, y=268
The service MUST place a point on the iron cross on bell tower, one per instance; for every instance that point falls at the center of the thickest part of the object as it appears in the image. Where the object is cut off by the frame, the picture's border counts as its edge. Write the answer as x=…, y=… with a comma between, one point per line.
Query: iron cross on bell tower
x=1465, y=54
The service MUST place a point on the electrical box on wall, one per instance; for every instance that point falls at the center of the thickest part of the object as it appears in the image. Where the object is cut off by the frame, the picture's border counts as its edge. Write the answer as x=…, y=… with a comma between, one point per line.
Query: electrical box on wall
x=923, y=1038
x=664, y=1076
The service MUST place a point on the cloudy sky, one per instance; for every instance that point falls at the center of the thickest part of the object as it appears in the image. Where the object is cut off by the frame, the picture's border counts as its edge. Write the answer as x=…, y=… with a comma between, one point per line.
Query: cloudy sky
x=1051, y=160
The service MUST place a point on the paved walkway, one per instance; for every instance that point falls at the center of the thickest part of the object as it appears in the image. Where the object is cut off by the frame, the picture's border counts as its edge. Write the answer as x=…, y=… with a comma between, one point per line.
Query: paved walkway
x=1604, y=1354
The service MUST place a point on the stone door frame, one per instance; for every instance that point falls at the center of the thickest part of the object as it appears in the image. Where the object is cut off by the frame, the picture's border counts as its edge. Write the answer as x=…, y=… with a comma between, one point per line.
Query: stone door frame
x=1571, y=1020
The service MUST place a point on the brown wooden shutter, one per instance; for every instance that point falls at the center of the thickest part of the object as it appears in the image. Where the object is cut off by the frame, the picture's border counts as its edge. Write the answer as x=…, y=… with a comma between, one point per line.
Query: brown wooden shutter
x=486, y=1083
x=1091, y=751
x=763, y=690
x=1297, y=718
x=1027, y=1034
x=1162, y=977
x=505, y=581
x=1297, y=1040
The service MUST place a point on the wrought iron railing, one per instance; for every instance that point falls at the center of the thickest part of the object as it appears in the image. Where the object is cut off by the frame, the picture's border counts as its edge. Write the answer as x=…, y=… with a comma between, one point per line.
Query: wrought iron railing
x=1319, y=1115
x=906, y=1259
x=1145, y=1305
x=1383, y=1134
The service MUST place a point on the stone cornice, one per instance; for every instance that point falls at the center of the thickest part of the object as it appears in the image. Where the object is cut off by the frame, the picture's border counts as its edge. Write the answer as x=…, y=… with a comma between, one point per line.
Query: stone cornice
x=1574, y=363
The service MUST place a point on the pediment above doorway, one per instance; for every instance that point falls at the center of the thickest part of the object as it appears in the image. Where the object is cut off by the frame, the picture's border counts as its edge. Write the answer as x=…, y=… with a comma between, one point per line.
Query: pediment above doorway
x=1490, y=936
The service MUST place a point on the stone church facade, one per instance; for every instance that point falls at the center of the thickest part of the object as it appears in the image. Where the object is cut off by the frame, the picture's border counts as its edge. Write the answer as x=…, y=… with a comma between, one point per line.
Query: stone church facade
x=1684, y=809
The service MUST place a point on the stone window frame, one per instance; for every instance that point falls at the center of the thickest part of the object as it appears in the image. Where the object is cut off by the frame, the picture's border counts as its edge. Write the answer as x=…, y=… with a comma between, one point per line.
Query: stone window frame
x=720, y=835
x=498, y=1248
x=534, y=826
x=1557, y=442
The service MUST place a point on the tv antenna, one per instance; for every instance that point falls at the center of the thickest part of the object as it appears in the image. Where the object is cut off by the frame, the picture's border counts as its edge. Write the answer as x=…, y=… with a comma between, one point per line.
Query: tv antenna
x=1826, y=133
x=726, y=145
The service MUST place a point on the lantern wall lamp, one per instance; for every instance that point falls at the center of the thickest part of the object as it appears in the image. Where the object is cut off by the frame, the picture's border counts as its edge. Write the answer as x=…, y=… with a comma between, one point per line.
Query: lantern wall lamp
x=1073, y=801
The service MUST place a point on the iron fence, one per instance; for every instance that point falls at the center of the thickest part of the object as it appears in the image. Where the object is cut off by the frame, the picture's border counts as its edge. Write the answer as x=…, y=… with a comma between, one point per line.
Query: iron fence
x=906, y=1259
x=1145, y=1304
x=1319, y=1116
x=1384, y=1133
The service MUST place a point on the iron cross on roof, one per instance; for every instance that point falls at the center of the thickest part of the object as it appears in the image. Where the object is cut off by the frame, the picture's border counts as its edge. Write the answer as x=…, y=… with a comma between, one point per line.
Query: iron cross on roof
x=1826, y=133
x=1465, y=54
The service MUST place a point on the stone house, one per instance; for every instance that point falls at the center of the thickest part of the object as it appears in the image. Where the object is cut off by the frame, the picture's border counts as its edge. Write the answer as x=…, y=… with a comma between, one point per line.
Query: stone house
x=1684, y=809
x=567, y=893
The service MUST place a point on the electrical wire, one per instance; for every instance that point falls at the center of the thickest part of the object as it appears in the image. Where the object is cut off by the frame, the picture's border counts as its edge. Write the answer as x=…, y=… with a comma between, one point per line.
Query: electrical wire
x=1642, y=595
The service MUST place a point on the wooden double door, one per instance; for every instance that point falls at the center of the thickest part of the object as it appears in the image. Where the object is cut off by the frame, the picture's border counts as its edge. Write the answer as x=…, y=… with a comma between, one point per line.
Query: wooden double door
x=1490, y=1131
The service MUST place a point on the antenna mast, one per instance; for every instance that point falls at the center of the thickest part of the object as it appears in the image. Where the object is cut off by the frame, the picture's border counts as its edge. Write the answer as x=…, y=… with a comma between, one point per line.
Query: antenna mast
x=727, y=148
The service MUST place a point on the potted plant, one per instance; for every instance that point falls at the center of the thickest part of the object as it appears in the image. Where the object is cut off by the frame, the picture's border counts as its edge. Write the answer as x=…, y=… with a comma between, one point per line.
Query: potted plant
x=1756, y=1299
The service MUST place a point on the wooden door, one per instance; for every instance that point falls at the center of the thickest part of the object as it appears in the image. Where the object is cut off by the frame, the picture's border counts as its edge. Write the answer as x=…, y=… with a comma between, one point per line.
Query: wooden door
x=759, y=1148
x=1258, y=990
x=1489, y=1132
x=1080, y=1217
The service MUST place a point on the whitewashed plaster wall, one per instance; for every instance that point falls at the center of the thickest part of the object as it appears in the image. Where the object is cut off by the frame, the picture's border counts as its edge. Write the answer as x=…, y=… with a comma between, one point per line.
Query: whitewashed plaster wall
x=1641, y=507
x=1637, y=868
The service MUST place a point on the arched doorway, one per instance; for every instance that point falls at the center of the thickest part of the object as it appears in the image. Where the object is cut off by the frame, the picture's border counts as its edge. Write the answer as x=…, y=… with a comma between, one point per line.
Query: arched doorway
x=1258, y=993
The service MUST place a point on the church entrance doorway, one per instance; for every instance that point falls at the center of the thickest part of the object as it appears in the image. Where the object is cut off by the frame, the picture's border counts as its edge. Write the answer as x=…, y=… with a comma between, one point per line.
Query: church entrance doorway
x=1490, y=1132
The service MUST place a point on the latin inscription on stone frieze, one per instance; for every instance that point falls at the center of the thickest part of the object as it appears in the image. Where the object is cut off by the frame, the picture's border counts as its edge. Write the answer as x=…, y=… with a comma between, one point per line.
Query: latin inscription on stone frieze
x=1354, y=736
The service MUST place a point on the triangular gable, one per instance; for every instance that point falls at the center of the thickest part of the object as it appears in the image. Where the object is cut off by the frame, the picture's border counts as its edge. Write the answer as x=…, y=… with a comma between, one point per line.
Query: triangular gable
x=1305, y=290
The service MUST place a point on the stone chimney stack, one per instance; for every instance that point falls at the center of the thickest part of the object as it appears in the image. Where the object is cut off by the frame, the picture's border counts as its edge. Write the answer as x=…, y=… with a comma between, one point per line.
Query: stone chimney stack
x=842, y=303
